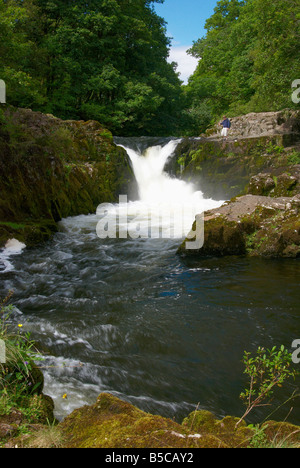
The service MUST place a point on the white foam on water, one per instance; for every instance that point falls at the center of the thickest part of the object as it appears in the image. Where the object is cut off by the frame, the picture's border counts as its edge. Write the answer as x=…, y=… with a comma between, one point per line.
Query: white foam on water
x=170, y=203
x=12, y=247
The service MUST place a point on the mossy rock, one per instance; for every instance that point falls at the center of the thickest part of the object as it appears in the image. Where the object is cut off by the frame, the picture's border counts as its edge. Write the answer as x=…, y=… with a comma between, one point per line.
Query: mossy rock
x=112, y=423
x=204, y=422
x=29, y=233
x=221, y=238
x=51, y=169
x=284, y=182
x=250, y=225
x=282, y=433
x=222, y=170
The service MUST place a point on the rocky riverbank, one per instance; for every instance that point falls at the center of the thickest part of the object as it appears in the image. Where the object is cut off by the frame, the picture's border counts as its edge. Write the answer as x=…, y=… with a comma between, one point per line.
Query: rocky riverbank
x=113, y=423
x=51, y=169
x=260, y=174
x=257, y=143
x=251, y=225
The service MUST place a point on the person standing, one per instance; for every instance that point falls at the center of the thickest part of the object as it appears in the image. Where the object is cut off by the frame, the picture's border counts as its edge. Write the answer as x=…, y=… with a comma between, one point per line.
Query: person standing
x=226, y=124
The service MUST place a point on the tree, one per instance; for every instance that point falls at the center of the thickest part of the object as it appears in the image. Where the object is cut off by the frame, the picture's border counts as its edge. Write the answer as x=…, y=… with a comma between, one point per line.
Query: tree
x=19, y=54
x=217, y=53
x=276, y=53
x=248, y=58
x=266, y=371
x=92, y=59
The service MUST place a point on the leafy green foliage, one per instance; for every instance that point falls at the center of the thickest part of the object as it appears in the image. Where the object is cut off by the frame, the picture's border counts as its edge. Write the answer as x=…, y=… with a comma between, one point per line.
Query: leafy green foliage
x=94, y=59
x=107, y=60
x=266, y=371
x=248, y=58
x=294, y=158
x=16, y=374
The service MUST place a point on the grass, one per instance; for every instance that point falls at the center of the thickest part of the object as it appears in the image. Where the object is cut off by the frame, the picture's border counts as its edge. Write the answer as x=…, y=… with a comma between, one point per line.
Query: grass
x=261, y=440
x=20, y=379
x=46, y=437
x=34, y=432
x=12, y=225
x=294, y=158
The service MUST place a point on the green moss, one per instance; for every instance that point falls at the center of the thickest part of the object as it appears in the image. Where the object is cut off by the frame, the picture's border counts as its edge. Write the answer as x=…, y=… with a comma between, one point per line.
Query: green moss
x=50, y=169
x=112, y=423
x=205, y=422
x=198, y=420
x=267, y=230
x=223, y=170
x=221, y=237
x=276, y=234
x=13, y=226
x=281, y=434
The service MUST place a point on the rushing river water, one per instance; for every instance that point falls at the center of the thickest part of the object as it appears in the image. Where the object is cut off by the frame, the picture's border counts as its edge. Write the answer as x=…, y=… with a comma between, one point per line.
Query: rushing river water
x=130, y=317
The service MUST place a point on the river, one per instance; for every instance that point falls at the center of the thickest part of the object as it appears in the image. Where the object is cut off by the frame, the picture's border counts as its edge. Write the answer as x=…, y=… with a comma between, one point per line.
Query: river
x=124, y=314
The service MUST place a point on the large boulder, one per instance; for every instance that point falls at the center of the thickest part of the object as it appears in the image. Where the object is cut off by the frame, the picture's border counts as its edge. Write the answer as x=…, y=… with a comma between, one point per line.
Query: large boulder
x=250, y=225
x=222, y=169
x=51, y=169
x=285, y=122
x=274, y=183
x=112, y=423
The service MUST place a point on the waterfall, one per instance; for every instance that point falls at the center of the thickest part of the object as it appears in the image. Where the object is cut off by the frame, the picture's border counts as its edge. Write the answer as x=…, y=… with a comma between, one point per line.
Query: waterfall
x=12, y=247
x=156, y=186
x=167, y=206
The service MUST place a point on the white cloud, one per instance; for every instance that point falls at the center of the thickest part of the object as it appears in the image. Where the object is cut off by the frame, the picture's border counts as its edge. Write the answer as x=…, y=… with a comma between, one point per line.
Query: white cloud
x=186, y=63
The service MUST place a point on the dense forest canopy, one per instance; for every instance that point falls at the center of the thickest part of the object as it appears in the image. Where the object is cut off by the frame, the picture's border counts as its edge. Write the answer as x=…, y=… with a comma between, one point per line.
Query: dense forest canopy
x=248, y=59
x=108, y=60
x=91, y=59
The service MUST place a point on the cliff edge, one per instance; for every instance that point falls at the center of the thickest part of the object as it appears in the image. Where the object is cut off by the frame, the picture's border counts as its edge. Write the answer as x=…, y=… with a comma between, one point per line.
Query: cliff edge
x=51, y=169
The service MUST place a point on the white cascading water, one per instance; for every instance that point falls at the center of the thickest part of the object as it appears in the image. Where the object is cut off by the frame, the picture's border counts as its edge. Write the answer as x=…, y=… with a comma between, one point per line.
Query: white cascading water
x=12, y=247
x=176, y=201
x=166, y=209
x=155, y=186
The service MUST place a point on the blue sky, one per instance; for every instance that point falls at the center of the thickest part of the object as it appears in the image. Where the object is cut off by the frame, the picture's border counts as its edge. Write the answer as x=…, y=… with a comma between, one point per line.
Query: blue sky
x=186, y=20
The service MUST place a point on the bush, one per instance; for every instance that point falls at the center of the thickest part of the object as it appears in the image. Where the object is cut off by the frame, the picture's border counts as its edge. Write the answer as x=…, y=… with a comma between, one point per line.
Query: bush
x=267, y=370
x=20, y=379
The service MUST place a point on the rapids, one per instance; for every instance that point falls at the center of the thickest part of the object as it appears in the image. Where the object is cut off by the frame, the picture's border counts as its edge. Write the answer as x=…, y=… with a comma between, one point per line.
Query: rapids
x=126, y=315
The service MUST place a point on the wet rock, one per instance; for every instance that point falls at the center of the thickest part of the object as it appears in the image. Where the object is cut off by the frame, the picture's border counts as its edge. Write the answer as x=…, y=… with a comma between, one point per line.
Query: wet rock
x=114, y=423
x=251, y=225
x=258, y=143
x=282, y=434
x=261, y=184
x=51, y=169
x=285, y=122
x=223, y=169
x=276, y=184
